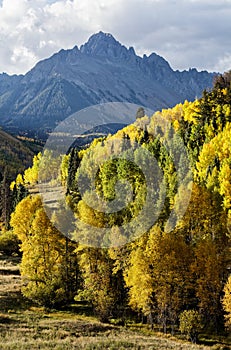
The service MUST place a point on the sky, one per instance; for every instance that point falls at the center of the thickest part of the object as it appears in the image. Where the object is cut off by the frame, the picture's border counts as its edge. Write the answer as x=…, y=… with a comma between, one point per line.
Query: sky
x=187, y=33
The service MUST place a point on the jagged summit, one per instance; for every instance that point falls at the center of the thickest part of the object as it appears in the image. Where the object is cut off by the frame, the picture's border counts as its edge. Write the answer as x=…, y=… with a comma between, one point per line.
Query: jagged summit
x=104, y=44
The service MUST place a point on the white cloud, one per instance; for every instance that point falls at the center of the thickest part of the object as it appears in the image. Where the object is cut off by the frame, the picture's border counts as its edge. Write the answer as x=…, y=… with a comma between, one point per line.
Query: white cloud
x=188, y=33
x=223, y=63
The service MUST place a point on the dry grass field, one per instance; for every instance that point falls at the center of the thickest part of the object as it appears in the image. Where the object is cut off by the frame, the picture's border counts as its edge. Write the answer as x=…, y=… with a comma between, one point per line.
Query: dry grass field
x=24, y=326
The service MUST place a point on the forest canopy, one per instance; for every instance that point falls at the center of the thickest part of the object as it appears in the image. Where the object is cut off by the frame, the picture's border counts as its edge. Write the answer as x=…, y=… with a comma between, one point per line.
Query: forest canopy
x=165, y=267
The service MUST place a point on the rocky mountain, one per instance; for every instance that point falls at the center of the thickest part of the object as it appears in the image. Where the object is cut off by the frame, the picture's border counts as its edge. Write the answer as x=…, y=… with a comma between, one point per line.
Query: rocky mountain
x=101, y=70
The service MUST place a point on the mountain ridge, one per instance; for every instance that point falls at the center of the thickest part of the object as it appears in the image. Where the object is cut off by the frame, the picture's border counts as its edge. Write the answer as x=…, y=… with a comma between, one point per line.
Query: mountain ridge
x=101, y=70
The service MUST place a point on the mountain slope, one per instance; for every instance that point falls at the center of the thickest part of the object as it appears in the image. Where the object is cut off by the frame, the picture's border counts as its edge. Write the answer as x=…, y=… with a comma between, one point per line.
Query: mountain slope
x=101, y=70
x=15, y=157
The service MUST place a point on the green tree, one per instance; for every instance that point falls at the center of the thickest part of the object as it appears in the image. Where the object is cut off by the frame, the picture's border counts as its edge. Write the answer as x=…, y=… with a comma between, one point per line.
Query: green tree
x=5, y=199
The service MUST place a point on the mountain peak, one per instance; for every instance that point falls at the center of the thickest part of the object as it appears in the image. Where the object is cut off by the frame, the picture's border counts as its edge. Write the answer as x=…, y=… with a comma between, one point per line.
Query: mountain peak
x=104, y=44
x=102, y=70
x=103, y=35
x=99, y=38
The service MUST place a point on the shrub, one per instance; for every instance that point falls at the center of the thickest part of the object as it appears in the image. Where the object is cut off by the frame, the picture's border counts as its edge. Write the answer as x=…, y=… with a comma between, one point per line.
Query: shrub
x=191, y=324
x=9, y=243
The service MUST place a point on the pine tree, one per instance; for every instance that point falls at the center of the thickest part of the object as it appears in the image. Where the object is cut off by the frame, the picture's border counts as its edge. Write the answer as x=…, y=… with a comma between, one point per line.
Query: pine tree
x=5, y=199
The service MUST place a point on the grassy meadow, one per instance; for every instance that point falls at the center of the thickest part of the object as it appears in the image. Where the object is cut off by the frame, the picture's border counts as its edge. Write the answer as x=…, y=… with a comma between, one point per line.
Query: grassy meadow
x=25, y=326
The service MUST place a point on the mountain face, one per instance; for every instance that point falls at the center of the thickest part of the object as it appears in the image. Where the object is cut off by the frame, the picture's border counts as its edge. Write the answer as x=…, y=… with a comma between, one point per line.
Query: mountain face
x=101, y=70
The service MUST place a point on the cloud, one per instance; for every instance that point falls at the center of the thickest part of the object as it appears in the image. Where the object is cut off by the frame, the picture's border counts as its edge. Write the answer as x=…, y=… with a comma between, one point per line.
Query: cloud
x=188, y=33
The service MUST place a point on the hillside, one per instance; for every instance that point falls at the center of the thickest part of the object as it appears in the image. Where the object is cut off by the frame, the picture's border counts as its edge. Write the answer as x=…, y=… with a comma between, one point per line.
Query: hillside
x=15, y=157
x=156, y=196
x=101, y=70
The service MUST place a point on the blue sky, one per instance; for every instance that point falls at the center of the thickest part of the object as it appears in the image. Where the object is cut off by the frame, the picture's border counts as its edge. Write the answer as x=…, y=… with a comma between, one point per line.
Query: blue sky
x=188, y=33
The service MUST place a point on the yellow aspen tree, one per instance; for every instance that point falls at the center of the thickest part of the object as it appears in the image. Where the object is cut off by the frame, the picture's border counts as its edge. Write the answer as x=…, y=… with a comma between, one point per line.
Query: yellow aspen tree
x=139, y=280
x=227, y=302
x=209, y=269
x=43, y=266
x=98, y=282
x=31, y=174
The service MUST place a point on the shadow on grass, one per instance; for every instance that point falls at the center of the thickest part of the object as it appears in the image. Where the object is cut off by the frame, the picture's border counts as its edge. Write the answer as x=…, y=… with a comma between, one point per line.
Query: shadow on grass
x=221, y=344
x=13, y=301
x=5, y=320
x=80, y=308
x=13, y=259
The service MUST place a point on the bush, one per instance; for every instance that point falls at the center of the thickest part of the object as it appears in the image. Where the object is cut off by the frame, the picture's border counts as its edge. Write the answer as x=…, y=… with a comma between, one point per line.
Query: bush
x=191, y=324
x=48, y=293
x=9, y=243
